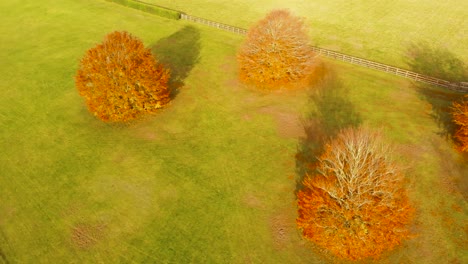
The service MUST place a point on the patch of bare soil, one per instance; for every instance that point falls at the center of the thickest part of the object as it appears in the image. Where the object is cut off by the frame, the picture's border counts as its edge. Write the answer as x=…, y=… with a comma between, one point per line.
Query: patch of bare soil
x=247, y=117
x=229, y=63
x=424, y=241
x=281, y=229
x=85, y=236
x=253, y=201
x=289, y=125
x=411, y=152
x=401, y=95
x=120, y=157
x=430, y=241
x=230, y=68
x=451, y=177
x=248, y=260
x=146, y=133
x=233, y=84
x=452, y=174
x=72, y=209
x=6, y=213
x=149, y=135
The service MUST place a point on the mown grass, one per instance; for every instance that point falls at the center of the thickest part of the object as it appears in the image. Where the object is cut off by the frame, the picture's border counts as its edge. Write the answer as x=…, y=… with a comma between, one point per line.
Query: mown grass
x=211, y=178
x=381, y=30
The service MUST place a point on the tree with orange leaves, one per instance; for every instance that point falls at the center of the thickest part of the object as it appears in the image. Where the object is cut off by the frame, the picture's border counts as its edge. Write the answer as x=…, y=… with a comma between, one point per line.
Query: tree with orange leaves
x=460, y=117
x=121, y=80
x=355, y=205
x=276, y=52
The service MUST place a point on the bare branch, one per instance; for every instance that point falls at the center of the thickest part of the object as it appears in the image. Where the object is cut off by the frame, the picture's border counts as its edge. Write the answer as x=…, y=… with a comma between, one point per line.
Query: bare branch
x=357, y=191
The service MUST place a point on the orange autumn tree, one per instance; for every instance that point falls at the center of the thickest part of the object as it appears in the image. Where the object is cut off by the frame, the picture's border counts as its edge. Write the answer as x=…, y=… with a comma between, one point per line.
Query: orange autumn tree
x=276, y=52
x=121, y=80
x=460, y=117
x=355, y=205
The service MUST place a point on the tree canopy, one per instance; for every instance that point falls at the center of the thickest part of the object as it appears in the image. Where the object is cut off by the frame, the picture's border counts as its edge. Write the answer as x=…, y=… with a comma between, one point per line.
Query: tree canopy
x=276, y=52
x=121, y=80
x=355, y=205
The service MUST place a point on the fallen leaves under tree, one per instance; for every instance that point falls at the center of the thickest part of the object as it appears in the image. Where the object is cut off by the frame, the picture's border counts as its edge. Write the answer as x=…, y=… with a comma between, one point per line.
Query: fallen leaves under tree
x=121, y=80
x=276, y=52
x=355, y=205
x=460, y=117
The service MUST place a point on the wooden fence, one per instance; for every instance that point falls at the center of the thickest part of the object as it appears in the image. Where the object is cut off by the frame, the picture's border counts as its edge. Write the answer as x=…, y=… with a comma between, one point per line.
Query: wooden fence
x=459, y=87
x=213, y=24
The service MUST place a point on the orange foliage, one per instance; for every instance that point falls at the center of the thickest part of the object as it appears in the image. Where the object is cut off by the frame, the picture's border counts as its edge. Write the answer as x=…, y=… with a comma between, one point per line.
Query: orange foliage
x=355, y=206
x=276, y=52
x=460, y=117
x=120, y=79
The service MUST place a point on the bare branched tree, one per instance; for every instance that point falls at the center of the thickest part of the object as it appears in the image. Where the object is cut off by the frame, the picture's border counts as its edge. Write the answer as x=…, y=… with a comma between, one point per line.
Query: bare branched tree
x=355, y=205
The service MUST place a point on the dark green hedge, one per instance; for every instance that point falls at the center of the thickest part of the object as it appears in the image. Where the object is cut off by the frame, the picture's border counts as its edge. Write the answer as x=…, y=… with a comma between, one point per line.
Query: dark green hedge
x=157, y=10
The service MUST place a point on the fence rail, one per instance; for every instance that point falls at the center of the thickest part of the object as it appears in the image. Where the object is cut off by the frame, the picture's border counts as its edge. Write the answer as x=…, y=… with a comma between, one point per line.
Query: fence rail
x=459, y=87
x=213, y=24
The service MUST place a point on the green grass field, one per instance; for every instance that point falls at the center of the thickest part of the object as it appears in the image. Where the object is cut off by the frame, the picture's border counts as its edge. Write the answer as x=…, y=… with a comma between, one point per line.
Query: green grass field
x=209, y=179
x=381, y=30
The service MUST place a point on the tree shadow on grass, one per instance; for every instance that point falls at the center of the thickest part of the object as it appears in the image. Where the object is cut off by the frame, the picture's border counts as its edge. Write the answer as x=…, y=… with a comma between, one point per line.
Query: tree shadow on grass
x=436, y=62
x=443, y=64
x=330, y=111
x=3, y=257
x=441, y=101
x=179, y=52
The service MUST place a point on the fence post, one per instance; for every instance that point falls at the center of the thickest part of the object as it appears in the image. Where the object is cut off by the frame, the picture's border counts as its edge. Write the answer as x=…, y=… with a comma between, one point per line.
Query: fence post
x=462, y=86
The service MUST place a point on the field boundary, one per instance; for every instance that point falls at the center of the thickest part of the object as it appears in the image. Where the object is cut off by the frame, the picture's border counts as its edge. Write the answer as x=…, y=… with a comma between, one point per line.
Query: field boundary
x=458, y=87
x=211, y=23
x=149, y=8
x=454, y=86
